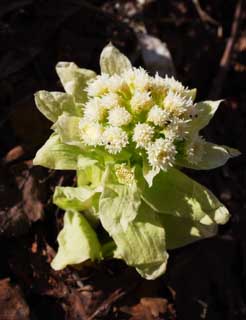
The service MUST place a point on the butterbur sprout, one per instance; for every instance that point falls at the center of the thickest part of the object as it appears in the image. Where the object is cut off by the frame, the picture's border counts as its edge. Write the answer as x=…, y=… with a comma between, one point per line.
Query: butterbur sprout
x=128, y=135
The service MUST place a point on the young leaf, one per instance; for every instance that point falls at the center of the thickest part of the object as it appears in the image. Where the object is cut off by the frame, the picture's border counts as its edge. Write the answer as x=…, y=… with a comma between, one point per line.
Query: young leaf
x=56, y=155
x=112, y=61
x=67, y=127
x=80, y=198
x=53, y=104
x=77, y=242
x=74, y=79
x=181, y=231
x=142, y=243
x=206, y=111
x=90, y=175
x=122, y=200
x=176, y=194
x=214, y=156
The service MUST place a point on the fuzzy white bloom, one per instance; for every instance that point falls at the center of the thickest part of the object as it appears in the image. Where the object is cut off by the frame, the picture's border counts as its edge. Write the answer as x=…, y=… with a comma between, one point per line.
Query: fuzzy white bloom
x=137, y=79
x=94, y=111
x=158, y=116
x=176, y=104
x=158, y=85
x=142, y=135
x=161, y=154
x=98, y=86
x=110, y=100
x=124, y=173
x=195, y=150
x=141, y=101
x=117, y=84
x=91, y=133
x=174, y=85
x=177, y=129
x=114, y=139
x=119, y=116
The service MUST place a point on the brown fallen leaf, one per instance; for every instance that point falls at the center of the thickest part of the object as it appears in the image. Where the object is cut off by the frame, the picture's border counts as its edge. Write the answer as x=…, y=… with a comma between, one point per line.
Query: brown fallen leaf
x=12, y=303
x=14, y=154
x=147, y=309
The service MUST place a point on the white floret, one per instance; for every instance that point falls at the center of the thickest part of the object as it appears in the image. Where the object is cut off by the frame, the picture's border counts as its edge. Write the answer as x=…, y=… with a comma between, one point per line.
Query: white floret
x=158, y=85
x=114, y=139
x=195, y=150
x=137, y=78
x=177, y=129
x=119, y=116
x=142, y=135
x=141, y=101
x=98, y=86
x=94, y=111
x=91, y=133
x=176, y=104
x=161, y=154
x=158, y=116
x=117, y=84
x=172, y=84
x=110, y=100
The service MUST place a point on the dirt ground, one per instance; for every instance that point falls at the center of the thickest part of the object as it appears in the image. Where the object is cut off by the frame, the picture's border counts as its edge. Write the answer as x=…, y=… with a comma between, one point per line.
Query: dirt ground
x=205, y=280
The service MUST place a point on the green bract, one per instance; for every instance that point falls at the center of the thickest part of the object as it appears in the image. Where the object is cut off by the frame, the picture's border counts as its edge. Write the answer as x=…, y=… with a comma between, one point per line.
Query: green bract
x=126, y=134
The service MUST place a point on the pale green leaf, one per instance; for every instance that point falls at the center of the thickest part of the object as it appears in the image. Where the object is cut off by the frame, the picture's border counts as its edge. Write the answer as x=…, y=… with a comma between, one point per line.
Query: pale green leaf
x=77, y=242
x=176, y=194
x=79, y=198
x=56, y=155
x=142, y=244
x=214, y=156
x=74, y=79
x=112, y=61
x=67, y=127
x=90, y=175
x=206, y=111
x=53, y=104
x=122, y=200
x=182, y=231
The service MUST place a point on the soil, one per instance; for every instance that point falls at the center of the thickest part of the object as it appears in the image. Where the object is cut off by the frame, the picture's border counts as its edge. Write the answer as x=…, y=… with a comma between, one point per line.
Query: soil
x=205, y=280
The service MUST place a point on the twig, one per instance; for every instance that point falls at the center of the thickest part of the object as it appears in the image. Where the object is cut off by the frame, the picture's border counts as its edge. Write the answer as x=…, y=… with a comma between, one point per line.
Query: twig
x=219, y=80
x=203, y=14
x=115, y=296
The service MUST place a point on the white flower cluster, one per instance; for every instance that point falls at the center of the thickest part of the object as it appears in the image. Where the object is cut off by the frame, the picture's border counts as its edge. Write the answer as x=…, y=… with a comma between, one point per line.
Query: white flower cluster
x=136, y=111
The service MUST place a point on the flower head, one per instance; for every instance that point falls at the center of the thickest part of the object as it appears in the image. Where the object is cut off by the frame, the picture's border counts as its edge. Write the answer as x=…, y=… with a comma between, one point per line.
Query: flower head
x=137, y=78
x=94, y=110
x=110, y=100
x=174, y=85
x=135, y=107
x=158, y=86
x=142, y=135
x=141, y=101
x=158, y=116
x=117, y=84
x=119, y=116
x=91, y=133
x=177, y=129
x=114, y=139
x=161, y=154
x=98, y=86
x=124, y=174
x=175, y=104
